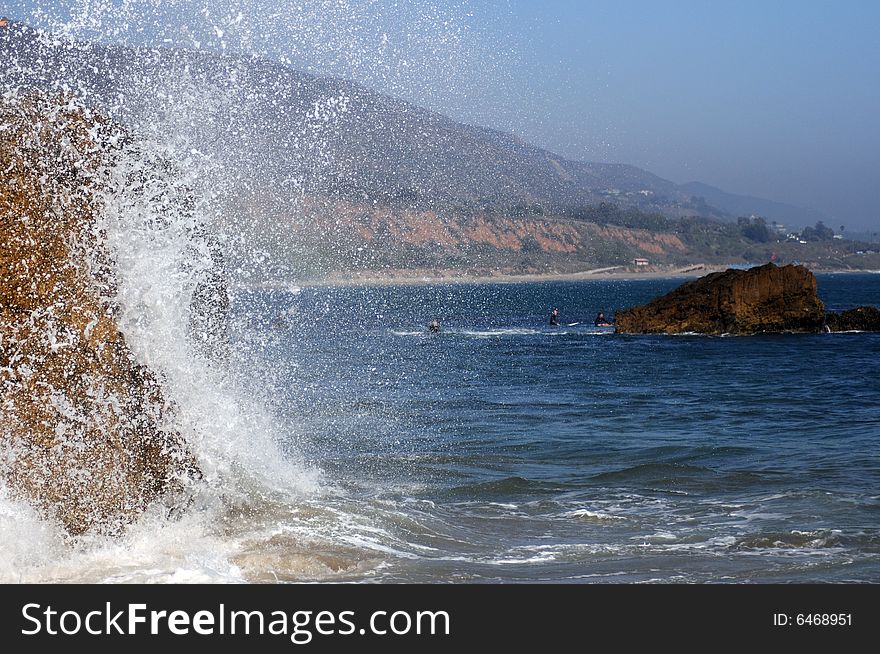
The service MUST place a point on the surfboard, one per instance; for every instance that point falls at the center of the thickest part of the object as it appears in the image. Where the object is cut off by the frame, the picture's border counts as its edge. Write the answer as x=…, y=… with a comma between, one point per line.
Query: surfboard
x=572, y=324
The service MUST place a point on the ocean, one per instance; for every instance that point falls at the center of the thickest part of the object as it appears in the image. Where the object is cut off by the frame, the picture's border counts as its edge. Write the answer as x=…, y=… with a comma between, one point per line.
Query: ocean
x=506, y=450
x=341, y=441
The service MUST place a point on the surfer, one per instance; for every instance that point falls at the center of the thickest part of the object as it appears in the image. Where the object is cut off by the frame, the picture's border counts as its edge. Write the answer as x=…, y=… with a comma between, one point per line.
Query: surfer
x=434, y=327
x=601, y=321
x=554, y=317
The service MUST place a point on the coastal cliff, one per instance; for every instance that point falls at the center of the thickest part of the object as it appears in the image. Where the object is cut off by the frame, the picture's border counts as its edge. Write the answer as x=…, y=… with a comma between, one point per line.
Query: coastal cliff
x=83, y=425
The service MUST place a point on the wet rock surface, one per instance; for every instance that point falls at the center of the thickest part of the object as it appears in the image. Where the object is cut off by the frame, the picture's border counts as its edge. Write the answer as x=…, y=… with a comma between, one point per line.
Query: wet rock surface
x=83, y=425
x=766, y=298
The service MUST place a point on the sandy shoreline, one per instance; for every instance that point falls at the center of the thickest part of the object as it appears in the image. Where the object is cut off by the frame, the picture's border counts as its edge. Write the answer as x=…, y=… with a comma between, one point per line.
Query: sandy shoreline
x=415, y=278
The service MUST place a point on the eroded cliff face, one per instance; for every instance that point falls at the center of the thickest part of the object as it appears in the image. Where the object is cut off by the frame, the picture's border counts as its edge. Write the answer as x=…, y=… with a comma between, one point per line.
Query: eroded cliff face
x=386, y=231
x=762, y=299
x=82, y=424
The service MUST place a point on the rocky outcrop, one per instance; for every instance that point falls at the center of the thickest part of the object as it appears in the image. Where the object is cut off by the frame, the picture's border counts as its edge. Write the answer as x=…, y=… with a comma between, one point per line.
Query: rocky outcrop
x=82, y=424
x=862, y=319
x=762, y=299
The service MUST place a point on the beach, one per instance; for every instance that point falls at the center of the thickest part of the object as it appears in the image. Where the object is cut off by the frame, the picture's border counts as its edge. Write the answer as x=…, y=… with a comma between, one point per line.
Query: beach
x=407, y=277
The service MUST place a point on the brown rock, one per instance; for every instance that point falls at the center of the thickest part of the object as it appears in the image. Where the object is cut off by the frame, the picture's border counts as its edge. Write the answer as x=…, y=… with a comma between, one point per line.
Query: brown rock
x=762, y=299
x=81, y=421
x=863, y=319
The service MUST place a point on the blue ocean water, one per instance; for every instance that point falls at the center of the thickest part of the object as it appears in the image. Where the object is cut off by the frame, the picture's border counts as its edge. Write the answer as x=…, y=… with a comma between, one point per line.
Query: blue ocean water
x=507, y=450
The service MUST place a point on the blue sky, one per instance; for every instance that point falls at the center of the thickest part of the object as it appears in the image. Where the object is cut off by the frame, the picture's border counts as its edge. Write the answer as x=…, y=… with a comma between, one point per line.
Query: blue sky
x=776, y=99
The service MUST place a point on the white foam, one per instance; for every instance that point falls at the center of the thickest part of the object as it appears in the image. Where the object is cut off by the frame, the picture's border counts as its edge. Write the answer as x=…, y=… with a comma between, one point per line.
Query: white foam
x=660, y=536
x=495, y=333
x=219, y=412
x=543, y=557
x=25, y=540
x=592, y=515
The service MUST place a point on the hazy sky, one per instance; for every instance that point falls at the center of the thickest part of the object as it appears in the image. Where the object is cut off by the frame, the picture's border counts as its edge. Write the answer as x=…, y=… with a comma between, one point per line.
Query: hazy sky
x=774, y=98
x=768, y=98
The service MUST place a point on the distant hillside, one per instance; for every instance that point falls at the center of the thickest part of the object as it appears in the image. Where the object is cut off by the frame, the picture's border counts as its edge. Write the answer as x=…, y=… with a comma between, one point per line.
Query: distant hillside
x=746, y=205
x=334, y=175
x=330, y=136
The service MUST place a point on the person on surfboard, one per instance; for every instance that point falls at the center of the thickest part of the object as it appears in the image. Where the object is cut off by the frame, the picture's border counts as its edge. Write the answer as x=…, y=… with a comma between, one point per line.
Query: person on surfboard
x=601, y=321
x=554, y=317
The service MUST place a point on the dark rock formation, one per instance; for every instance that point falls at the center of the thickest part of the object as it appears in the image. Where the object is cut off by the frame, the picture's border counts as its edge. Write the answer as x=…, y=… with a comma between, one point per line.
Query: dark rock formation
x=863, y=319
x=82, y=424
x=762, y=299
